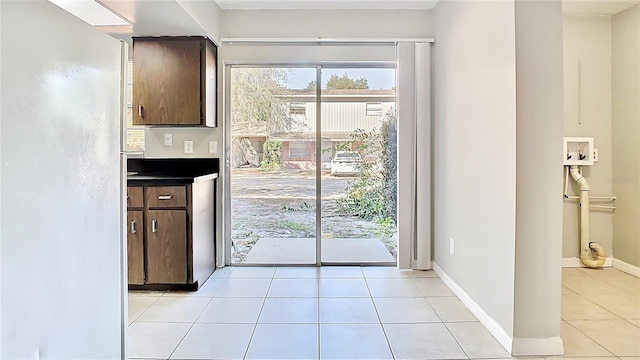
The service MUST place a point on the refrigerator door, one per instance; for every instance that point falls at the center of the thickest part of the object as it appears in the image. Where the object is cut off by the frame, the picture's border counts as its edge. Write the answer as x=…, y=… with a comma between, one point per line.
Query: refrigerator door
x=60, y=220
x=124, y=299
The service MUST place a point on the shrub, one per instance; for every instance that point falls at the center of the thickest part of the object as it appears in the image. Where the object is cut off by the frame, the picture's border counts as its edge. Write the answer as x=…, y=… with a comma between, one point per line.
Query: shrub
x=372, y=195
x=272, y=151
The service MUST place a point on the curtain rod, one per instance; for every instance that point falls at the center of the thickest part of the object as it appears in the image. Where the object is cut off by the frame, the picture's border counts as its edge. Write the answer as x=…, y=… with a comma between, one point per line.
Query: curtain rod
x=328, y=41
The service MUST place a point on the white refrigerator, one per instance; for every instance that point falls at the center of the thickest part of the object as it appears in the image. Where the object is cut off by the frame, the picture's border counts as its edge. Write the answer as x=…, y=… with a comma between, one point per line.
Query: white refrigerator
x=62, y=182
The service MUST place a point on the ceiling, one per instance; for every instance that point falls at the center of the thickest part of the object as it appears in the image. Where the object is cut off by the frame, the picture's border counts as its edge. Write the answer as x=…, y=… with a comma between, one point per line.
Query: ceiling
x=596, y=7
x=570, y=7
x=161, y=17
x=327, y=4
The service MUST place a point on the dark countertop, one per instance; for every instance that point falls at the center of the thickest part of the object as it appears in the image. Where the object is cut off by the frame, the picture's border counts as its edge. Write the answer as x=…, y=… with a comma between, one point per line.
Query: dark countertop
x=170, y=171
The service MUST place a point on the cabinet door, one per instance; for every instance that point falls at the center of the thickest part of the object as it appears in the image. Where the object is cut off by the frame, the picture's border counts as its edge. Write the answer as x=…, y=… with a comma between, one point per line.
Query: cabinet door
x=166, y=82
x=166, y=246
x=135, y=197
x=211, y=84
x=135, y=247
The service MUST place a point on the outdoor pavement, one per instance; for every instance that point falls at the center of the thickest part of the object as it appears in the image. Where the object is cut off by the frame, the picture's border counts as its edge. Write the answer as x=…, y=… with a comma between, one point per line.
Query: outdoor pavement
x=334, y=251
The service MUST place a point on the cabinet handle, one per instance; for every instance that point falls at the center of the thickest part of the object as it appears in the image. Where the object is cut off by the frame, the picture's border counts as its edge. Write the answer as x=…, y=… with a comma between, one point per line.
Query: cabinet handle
x=133, y=226
x=140, y=113
x=165, y=197
x=153, y=225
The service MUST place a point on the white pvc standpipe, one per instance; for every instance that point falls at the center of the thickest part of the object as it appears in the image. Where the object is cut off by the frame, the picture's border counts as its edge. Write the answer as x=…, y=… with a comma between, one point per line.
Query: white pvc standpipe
x=586, y=247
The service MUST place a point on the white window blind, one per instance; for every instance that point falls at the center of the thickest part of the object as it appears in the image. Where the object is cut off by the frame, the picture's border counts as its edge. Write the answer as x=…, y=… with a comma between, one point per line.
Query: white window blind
x=374, y=109
x=298, y=149
x=414, y=155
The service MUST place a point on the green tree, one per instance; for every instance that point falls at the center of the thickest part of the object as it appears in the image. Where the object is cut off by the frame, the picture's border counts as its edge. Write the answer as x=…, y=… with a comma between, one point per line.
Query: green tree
x=345, y=82
x=311, y=86
x=258, y=100
x=259, y=106
x=341, y=82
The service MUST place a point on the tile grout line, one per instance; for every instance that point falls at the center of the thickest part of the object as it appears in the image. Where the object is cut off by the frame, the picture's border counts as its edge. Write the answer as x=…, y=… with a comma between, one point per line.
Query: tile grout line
x=590, y=338
x=143, y=311
x=384, y=331
x=598, y=305
x=181, y=340
x=255, y=327
x=441, y=320
x=428, y=302
x=195, y=321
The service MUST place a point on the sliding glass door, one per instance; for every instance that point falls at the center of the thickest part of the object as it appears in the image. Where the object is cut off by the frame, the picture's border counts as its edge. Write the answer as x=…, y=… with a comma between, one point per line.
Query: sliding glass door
x=312, y=179
x=272, y=165
x=358, y=131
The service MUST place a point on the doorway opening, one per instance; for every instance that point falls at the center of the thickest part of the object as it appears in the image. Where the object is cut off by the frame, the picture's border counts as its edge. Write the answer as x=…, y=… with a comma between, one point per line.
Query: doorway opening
x=312, y=157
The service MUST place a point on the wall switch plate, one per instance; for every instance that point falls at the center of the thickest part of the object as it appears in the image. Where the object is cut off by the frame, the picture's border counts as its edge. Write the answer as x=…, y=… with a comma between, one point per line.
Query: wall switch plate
x=452, y=246
x=168, y=139
x=595, y=155
x=213, y=147
x=188, y=146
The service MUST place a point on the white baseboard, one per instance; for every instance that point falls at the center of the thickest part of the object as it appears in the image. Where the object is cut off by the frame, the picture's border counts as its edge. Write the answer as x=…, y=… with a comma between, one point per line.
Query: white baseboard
x=576, y=262
x=537, y=347
x=626, y=267
x=494, y=328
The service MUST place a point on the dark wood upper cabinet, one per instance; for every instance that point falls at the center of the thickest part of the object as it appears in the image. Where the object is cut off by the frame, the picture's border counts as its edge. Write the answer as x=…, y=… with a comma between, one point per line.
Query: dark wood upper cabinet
x=174, y=81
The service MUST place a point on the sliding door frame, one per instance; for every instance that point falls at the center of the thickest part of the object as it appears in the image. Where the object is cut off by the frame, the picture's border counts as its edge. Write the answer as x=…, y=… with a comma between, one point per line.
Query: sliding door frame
x=226, y=124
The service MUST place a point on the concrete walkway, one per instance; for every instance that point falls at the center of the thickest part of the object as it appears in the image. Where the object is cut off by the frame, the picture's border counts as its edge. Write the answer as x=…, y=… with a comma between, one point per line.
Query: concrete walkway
x=334, y=251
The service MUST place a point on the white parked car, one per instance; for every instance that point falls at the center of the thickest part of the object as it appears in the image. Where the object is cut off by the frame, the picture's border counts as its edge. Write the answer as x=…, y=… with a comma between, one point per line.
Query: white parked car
x=346, y=163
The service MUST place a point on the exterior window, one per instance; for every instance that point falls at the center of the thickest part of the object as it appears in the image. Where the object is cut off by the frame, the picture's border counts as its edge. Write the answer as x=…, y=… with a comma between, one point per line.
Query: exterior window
x=298, y=150
x=297, y=108
x=374, y=109
x=257, y=146
x=135, y=134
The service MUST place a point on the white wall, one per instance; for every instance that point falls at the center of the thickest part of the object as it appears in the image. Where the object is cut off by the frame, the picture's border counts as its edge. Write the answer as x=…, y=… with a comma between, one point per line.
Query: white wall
x=626, y=134
x=325, y=23
x=587, y=112
x=475, y=150
x=498, y=99
x=340, y=24
x=539, y=132
x=155, y=148
x=206, y=14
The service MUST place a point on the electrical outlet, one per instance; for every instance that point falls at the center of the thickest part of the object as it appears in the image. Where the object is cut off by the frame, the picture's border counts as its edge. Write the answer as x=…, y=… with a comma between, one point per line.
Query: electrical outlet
x=168, y=139
x=188, y=146
x=213, y=147
x=595, y=155
x=452, y=246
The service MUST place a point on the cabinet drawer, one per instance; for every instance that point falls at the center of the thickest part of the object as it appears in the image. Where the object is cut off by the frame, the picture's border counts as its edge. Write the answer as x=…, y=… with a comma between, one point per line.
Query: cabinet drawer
x=166, y=196
x=134, y=197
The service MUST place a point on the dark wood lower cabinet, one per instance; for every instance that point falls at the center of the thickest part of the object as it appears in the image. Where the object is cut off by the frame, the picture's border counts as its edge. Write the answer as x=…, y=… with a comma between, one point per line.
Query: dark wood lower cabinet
x=166, y=246
x=171, y=236
x=135, y=247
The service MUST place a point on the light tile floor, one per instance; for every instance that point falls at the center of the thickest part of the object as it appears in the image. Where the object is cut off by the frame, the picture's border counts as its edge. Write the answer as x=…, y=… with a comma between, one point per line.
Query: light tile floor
x=363, y=313
x=600, y=313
